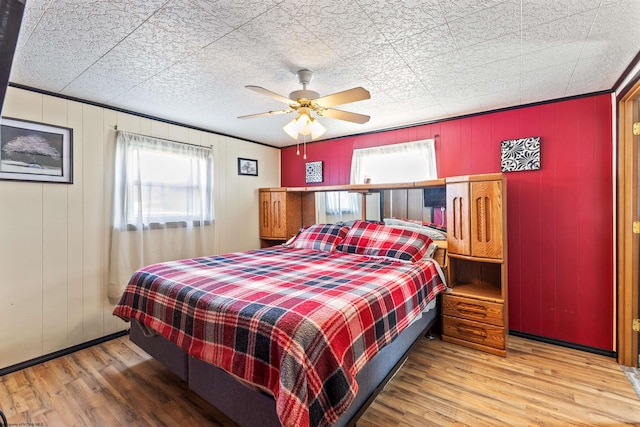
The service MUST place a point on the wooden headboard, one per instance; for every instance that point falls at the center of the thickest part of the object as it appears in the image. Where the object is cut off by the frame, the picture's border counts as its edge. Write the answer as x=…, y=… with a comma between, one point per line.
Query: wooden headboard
x=404, y=200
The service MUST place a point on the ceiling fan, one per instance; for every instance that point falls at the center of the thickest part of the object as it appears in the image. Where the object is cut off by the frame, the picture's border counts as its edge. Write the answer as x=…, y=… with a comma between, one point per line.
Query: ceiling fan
x=305, y=101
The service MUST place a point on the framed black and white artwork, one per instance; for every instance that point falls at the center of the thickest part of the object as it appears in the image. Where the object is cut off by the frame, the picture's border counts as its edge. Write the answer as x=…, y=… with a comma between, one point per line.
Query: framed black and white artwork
x=247, y=167
x=31, y=151
x=313, y=172
x=520, y=154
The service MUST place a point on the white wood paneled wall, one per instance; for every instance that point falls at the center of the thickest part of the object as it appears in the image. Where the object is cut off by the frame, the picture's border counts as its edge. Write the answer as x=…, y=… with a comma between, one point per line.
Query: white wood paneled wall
x=54, y=238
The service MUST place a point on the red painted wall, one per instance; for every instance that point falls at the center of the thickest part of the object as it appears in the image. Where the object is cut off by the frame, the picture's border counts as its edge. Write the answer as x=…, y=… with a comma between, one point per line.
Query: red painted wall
x=560, y=218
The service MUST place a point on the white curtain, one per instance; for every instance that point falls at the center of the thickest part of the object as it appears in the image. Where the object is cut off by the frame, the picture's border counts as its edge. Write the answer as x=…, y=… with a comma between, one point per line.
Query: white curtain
x=394, y=163
x=162, y=207
x=341, y=202
x=335, y=206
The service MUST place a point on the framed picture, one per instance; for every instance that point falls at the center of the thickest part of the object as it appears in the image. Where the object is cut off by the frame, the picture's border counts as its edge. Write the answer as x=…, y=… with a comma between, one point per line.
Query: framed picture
x=247, y=167
x=313, y=172
x=520, y=154
x=31, y=151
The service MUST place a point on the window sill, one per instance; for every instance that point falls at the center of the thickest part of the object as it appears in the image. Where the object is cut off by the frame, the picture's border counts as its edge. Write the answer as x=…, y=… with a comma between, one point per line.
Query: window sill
x=166, y=225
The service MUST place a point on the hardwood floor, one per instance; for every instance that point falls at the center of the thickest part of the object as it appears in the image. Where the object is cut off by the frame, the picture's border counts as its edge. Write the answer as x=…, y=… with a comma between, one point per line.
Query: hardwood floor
x=441, y=384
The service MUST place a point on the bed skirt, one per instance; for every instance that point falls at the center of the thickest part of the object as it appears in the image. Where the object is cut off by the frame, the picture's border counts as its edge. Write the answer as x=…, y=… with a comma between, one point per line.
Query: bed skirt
x=252, y=408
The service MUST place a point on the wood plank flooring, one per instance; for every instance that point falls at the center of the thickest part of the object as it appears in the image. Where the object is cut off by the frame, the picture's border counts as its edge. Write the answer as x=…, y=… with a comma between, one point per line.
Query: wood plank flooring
x=441, y=384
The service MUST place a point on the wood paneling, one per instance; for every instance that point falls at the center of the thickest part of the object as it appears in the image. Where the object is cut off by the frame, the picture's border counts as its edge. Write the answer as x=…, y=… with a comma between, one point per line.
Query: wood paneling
x=55, y=238
x=110, y=120
x=560, y=218
x=54, y=266
x=75, y=240
x=441, y=384
x=21, y=295
x=55, y=206
x=93, y=205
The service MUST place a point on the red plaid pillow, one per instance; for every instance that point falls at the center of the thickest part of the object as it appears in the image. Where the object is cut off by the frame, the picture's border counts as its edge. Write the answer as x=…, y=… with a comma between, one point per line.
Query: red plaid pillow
x=321, y=237
x=380, y=240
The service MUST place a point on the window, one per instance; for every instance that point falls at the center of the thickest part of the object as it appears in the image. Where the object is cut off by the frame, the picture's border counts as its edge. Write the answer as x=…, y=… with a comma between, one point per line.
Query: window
x=163, y=205
x=162, y=183
x=407, y=162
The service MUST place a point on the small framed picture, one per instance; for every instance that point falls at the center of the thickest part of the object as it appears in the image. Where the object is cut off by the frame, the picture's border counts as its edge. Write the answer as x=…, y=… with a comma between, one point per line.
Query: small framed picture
x=247, y=167
x=313, y=172
x=31, y=151
x=520, y=154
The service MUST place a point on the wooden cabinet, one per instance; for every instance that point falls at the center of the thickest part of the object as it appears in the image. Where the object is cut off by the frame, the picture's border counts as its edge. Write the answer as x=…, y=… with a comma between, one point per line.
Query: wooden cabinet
x=474, y=312
x=474, y=217
x=280, y=215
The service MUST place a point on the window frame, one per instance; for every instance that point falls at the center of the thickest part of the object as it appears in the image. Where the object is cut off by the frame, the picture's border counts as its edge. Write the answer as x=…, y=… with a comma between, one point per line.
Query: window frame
x=129, y=163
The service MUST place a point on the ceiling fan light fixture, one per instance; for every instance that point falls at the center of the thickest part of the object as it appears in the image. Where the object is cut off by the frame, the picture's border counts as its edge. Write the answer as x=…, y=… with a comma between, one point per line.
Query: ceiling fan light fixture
x=317, y=130
x=306, y=101
x=291, y=129
x=304, y=124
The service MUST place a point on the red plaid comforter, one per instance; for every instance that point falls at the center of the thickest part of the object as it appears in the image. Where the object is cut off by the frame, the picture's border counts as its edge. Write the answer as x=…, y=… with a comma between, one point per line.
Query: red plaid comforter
x=295, y=322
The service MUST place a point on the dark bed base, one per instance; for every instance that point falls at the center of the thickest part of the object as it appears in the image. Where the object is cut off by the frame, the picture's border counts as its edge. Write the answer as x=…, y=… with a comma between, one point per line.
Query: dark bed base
x=234, y=398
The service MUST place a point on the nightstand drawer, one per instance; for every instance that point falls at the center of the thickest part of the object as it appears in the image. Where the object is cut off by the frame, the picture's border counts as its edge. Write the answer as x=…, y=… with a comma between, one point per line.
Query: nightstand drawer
x=473, y=309
x=468, y=330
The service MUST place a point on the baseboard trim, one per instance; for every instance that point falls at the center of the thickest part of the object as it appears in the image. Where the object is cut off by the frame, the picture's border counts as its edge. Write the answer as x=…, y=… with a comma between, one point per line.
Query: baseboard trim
x=59, y=353
x=567, y=344
x=73, y=349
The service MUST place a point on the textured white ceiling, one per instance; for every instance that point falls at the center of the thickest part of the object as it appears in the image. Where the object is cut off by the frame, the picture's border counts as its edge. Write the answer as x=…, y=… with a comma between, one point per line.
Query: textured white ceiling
x=188, y=60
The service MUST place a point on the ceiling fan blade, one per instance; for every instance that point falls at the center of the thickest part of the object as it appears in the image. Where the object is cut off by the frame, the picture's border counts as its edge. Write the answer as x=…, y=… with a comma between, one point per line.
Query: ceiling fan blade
x=344, y=97
x=271, y=94
x=268, y=113
x=344, y=115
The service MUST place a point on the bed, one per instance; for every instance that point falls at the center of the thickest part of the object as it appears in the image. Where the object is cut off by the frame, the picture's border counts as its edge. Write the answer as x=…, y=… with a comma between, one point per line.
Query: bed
x=301, y=334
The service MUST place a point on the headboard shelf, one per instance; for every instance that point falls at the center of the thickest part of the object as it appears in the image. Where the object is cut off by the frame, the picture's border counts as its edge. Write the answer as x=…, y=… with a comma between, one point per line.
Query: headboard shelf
x=371, y=188
x=364, y=188
x=398, y=200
